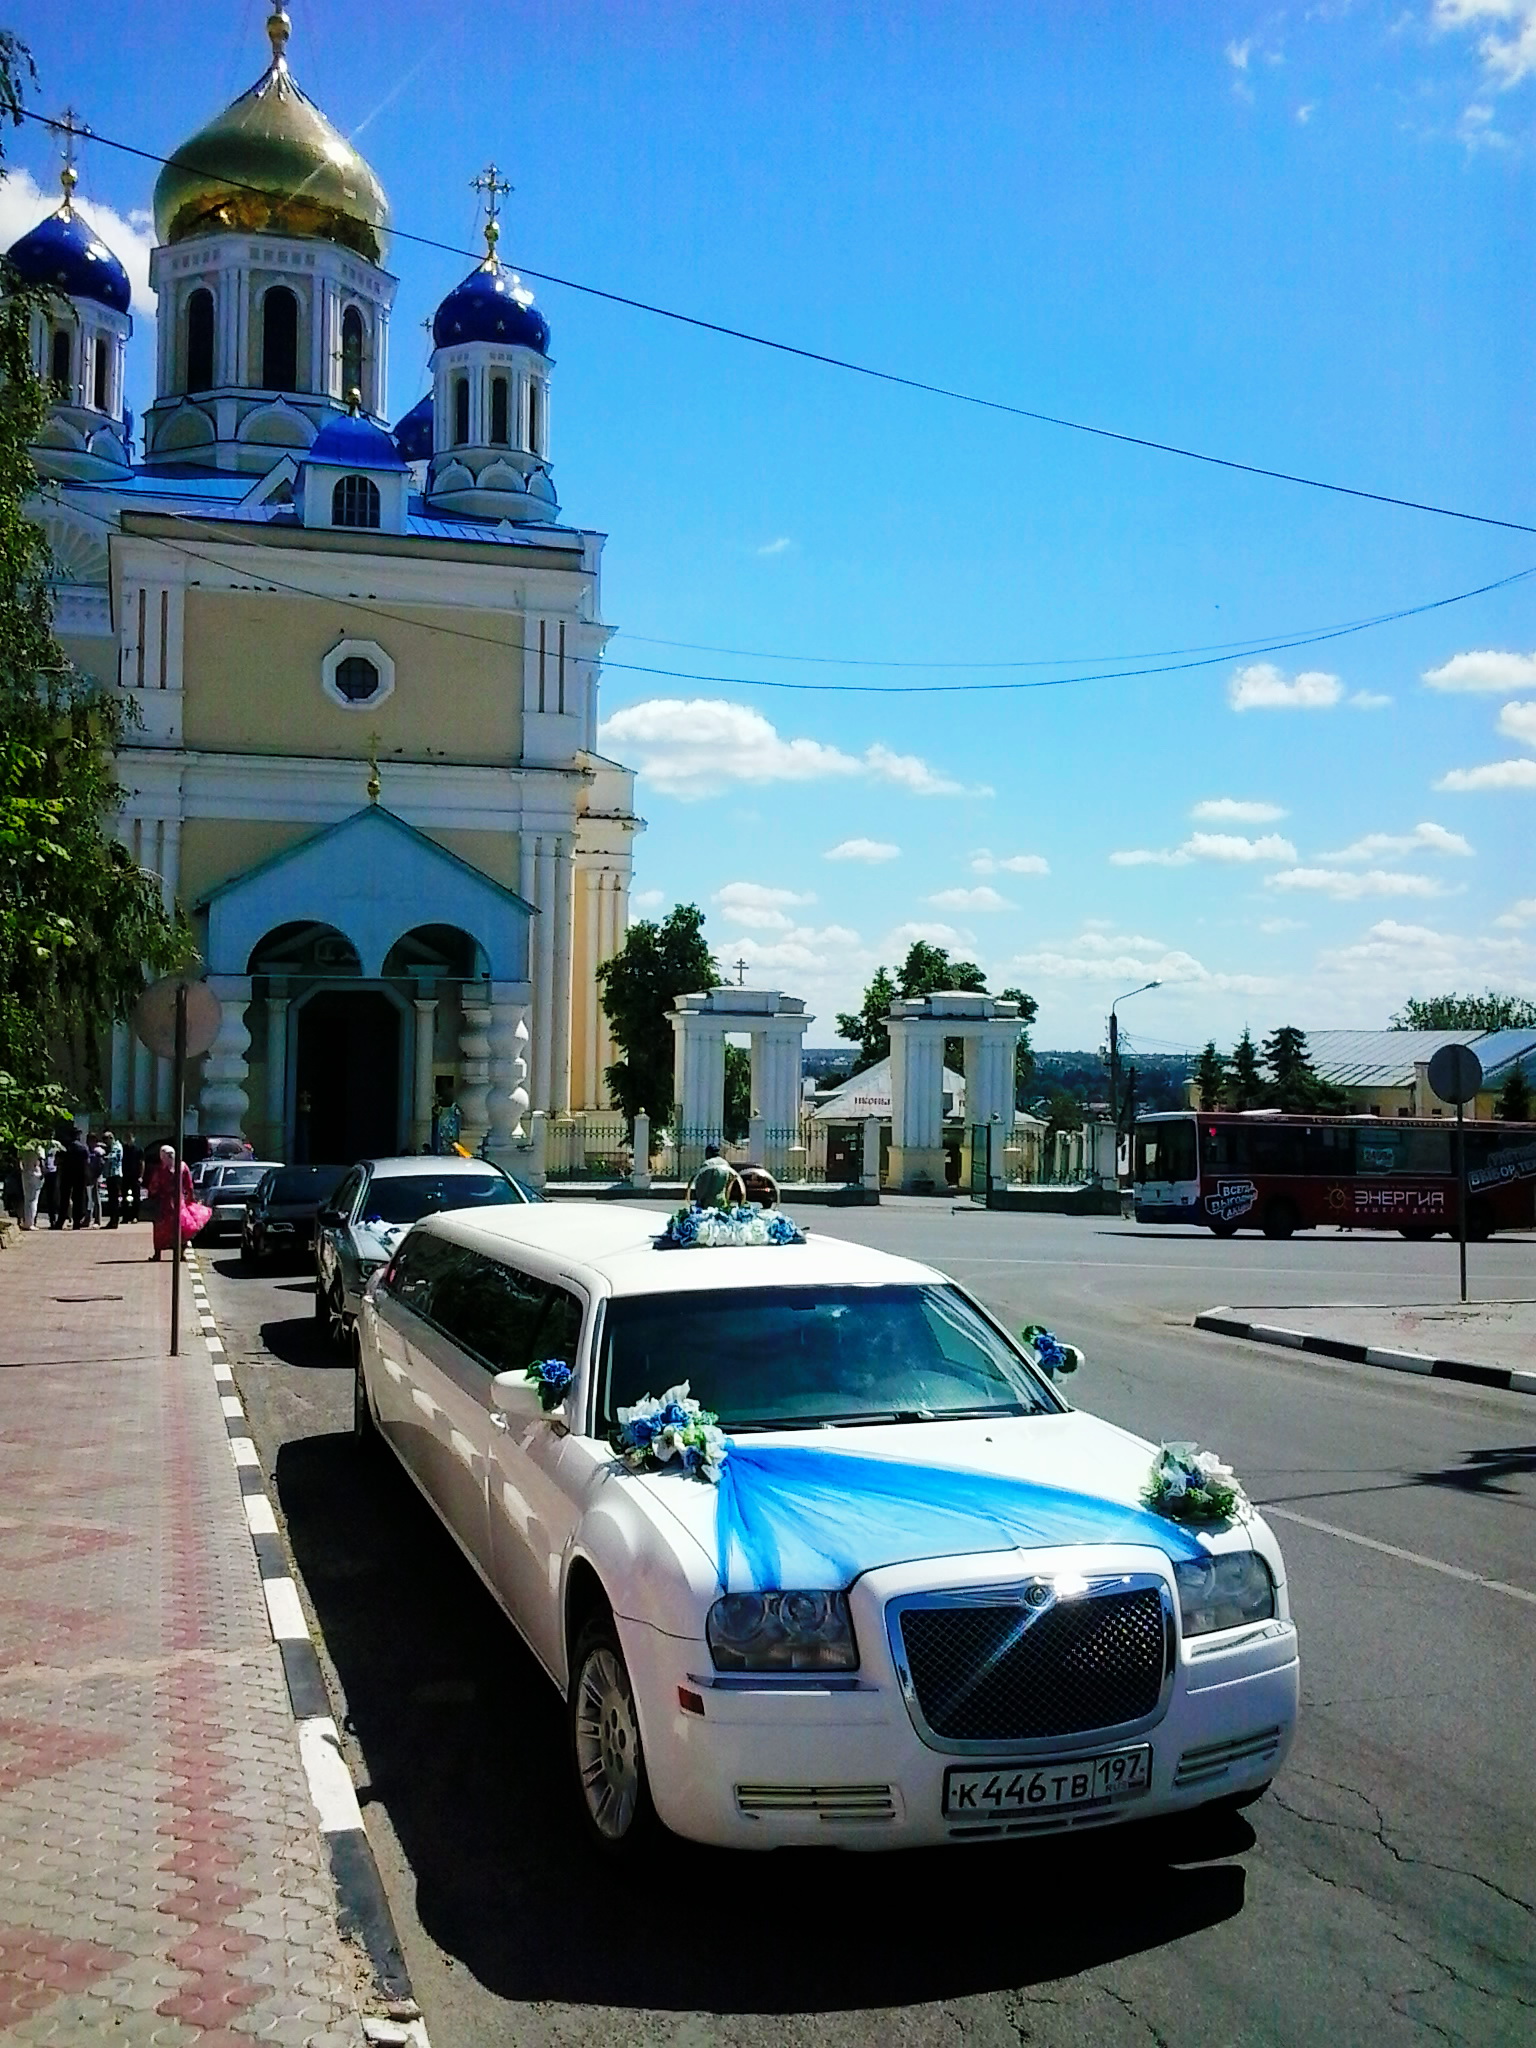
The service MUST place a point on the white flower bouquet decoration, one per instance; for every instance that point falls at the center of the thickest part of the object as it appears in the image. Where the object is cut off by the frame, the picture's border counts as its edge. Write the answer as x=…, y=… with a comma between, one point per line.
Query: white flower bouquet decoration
x=1190, y=1485
x=662, y=1429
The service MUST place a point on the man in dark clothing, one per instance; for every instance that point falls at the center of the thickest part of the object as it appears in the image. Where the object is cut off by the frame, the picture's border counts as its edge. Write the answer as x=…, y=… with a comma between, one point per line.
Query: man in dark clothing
x=75, y=1161
x=133, y=1177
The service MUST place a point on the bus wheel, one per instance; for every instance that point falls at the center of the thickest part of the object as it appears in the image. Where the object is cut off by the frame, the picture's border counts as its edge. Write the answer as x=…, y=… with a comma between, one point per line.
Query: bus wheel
x=1280, y=1219
x=1479, y=1222
x=1223, y=1229
x=1416, y=1233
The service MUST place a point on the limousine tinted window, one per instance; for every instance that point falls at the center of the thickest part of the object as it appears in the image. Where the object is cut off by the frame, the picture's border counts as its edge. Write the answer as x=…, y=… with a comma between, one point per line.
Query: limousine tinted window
x=490, y=1308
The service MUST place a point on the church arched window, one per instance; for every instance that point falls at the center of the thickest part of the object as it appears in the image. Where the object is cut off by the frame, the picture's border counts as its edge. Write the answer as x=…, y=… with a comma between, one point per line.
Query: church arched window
x=355, y=502
x=536, y=418
x=460, y=411
x=58, y=358
x=499, y=411
x=200, y=341
x=279, y=340
x=352, y=353
x=100, y=375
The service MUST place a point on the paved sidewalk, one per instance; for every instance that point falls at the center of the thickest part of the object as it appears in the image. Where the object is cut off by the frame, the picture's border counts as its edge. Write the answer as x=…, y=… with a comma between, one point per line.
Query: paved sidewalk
x=161, y=1877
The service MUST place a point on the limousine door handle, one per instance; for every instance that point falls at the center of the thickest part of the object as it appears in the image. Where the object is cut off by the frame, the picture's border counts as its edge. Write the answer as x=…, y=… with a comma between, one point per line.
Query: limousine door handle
x=498, y=1420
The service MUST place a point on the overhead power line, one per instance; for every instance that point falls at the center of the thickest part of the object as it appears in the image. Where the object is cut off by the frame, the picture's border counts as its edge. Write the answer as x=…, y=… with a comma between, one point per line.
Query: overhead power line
x=809, y=355
x=375, y=609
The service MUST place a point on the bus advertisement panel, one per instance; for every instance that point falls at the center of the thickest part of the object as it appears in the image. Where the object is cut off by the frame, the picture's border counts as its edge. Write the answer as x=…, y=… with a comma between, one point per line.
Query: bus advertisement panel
x=1232, y=1170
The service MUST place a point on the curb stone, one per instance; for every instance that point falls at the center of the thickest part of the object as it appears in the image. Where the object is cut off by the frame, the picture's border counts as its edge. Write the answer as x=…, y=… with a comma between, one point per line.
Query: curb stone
x=1506, y=1378
x=363, y=1912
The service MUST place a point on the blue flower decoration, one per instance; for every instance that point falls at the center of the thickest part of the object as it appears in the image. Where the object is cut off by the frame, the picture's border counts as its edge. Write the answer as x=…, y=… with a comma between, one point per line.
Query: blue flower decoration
x=1048, y=1349
x=552, y=1377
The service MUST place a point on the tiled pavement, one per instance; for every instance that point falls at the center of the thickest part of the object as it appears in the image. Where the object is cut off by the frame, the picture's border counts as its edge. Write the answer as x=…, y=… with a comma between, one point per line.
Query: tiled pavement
x=161, y=1877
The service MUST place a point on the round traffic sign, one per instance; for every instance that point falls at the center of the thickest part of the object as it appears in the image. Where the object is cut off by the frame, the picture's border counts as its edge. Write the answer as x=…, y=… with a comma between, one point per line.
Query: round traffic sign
x=1455, y=1073
x=154, y=1016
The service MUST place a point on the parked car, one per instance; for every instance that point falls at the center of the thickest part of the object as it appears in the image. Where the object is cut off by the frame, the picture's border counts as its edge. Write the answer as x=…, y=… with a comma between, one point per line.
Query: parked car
x=204, y=1149
x=376, y=1203
x=279, y=1219
x=922, y=1604
x=226, y=1188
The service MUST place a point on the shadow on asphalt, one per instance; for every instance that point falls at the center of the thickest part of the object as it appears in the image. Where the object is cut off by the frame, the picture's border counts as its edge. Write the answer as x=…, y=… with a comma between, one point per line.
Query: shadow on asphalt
x=464, y=1742
x=1481, y=1471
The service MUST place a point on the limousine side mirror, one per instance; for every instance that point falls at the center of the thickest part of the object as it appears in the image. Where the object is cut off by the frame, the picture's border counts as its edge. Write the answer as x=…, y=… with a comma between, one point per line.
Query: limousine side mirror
x=1075, y=1359
x=515, y=1396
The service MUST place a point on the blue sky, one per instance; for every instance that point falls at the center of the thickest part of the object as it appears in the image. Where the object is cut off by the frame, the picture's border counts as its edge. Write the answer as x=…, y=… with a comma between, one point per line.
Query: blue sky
x=1299, y=237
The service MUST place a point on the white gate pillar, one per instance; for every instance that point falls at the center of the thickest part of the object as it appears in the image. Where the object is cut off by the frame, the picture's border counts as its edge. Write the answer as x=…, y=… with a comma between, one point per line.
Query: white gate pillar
x=701, y=1023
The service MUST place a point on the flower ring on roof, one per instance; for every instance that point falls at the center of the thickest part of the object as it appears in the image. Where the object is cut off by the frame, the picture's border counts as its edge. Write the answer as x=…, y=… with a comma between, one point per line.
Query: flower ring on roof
x=1051, y=1355
x=742, y=1224
x=1190, y=1485
x=661, y=1428
x=552, y=1377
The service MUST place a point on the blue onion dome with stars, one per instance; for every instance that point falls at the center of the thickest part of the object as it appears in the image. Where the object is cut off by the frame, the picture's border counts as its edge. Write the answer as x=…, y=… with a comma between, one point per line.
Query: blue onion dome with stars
x=413, y=433
x=355, y=443
x=493, y=303
x=64, y=254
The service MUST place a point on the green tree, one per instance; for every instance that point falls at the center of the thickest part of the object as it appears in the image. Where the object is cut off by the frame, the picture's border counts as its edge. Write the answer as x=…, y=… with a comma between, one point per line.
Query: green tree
x=1488, y=1012
x=1211, y=1076
x=657, y=963
x=738, y=1092
x=1245, y=1084
x=1514, y=1103
x=79, y=921
x=927, y=969
x=1024, y=1057
x=1294, y=1083
x=865, y=1026
x=1063, y=1112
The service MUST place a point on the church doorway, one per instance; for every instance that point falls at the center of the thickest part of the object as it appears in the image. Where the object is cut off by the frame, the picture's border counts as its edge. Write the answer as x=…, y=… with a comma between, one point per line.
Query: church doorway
x=347, y=1078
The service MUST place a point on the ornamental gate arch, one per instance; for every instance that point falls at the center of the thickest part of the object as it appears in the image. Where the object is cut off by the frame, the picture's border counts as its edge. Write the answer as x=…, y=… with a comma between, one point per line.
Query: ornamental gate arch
x=989, y=1028
x=701, y=1023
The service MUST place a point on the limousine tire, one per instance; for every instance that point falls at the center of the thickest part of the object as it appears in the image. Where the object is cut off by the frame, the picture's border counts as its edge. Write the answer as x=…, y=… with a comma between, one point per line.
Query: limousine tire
x=365, y=1431
x=605, y=1745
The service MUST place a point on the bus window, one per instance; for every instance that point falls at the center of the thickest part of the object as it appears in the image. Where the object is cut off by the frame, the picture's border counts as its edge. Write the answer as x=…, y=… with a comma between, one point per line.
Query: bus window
x=1277, y=1148
x=1225, y=1146
x=1403, y=1151
x=1330, y=1149
x=1166, y=1151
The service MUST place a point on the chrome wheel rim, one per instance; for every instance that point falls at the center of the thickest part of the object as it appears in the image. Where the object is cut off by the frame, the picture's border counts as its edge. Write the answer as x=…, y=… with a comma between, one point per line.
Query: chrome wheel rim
x=607, y=1745
x=336, y=1303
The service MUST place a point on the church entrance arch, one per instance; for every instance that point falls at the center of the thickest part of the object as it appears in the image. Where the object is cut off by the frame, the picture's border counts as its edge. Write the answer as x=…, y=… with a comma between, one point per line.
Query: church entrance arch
x=347, y=1076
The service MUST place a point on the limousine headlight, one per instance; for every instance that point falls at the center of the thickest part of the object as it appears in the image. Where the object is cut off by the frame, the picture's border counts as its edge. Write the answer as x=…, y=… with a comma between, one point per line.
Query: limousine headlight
x=782, y=1632
x=1224, y=1591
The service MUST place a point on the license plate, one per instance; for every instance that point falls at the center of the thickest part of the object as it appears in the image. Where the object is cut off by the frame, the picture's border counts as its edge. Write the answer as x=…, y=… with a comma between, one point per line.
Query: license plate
x=1038, y=1788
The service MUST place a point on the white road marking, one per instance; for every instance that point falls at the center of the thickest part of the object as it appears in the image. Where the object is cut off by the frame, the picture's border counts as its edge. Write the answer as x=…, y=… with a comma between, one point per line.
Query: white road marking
x=215, y=1344
x=230, y=1403
x=259, y=1518
x=330, y=1782
x=243, y=1451
x=284, y=1611
x=1428, y=1564
x=223, y=1371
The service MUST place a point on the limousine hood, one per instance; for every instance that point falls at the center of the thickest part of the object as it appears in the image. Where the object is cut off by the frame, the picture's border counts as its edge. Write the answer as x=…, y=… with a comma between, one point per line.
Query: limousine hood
x=817, y=1508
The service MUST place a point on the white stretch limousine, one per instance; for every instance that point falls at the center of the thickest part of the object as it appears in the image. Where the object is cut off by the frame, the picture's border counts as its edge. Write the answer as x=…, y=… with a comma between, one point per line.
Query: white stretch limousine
x=913, y=1598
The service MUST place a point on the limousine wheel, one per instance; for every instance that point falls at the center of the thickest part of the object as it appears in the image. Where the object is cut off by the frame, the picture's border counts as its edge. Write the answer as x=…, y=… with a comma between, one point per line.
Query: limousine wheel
x=365, y=1430
x=605, y=1744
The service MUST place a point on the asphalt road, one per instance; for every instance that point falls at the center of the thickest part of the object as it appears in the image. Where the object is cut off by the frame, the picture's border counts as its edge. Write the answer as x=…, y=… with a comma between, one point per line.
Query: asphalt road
x=1382, y=1892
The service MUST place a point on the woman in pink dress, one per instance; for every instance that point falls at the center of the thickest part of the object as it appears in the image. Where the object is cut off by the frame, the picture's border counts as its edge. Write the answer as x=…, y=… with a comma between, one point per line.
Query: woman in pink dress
x=162, y=1190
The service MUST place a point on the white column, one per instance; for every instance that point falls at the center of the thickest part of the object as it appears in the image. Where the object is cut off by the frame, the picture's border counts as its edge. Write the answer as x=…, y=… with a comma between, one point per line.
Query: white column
x=612, y=937
x=544, y=972
x=277, y=1071
x=640, y=1173
x=508, y=1102
x=871, y=1173
x=474, y=1072
x=560, y=1036
x=592, y=910
x=223, y=1105
x=422, y=1093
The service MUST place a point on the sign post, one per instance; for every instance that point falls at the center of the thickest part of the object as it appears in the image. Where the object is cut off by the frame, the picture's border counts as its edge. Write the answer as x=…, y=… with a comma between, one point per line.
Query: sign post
x=1455, y=1075
x=177, y=1018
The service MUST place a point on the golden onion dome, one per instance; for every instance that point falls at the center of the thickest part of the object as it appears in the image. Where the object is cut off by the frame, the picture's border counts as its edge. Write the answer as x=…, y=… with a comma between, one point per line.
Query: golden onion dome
x=272, y=164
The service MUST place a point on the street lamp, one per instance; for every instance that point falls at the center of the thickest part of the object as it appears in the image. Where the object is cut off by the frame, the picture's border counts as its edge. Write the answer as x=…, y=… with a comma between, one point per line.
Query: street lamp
x=1114, y=1049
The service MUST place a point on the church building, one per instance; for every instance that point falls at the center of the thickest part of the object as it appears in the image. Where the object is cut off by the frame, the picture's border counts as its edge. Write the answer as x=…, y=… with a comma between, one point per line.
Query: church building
x=364, y=659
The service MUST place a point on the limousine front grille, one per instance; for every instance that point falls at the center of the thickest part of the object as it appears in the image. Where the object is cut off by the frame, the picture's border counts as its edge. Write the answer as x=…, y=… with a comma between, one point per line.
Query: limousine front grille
x=1002, y=1673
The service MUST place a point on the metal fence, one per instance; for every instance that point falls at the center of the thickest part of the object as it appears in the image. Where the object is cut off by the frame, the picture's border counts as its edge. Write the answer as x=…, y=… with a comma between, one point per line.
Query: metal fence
x=588, y=1147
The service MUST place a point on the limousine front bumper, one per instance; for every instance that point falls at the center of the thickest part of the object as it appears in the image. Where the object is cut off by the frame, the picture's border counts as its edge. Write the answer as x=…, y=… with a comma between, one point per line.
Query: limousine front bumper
x=768, y=1762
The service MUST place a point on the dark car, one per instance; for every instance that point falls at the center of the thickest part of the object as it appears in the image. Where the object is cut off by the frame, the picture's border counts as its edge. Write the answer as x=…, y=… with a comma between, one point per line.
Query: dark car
x=280, y=1217
x=226, y=1187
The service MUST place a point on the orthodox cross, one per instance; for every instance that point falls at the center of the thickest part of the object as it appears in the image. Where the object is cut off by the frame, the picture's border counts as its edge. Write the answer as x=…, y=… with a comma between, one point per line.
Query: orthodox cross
x=69, y=126
x=495, y=188
x=741, y=972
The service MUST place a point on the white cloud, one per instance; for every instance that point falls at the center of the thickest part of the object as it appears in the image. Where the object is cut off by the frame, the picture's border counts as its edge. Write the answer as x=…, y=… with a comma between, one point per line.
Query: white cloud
x=1369, y=700
x=801, y=949
x=23, y=203
x=897, y=940
x=1233, y=810
x=757, y=904
x=1347, y=886
x=1518, y=914
x=871, y=851
x=1226, y=847
x=979, y=898
x=1422, y=839
x=1392, y=960
x=1273, y=925
x=781, y=546
x=645, y=899
x=1492, y=775
x=1518, y=722
x=1305, y=112
x=985, y=863
x=1484, y=668
x=1263, y=687
x=1239, y=53
x=1508, y=50
x=1105, y=956
x=694, y=747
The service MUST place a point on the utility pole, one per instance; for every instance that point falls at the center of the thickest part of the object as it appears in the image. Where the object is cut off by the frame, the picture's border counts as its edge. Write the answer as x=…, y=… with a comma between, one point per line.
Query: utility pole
x=1114, y=1049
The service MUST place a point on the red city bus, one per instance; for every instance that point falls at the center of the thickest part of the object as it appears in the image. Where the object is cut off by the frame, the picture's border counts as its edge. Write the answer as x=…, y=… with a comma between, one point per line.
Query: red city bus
x=1236, y=1170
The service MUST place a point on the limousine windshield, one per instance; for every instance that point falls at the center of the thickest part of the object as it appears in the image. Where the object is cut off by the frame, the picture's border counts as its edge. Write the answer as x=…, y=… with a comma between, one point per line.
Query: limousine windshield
x=407, y=1197
x=789, y=1357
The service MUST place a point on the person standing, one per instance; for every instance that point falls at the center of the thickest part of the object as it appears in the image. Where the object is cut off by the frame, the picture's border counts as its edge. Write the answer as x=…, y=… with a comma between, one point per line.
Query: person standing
x=31, y=1182
x=133, y=1177
x=95, y=1178
x=167, y=1191
x=75, y=1165
x=112, y=1163
x=52, y=1198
